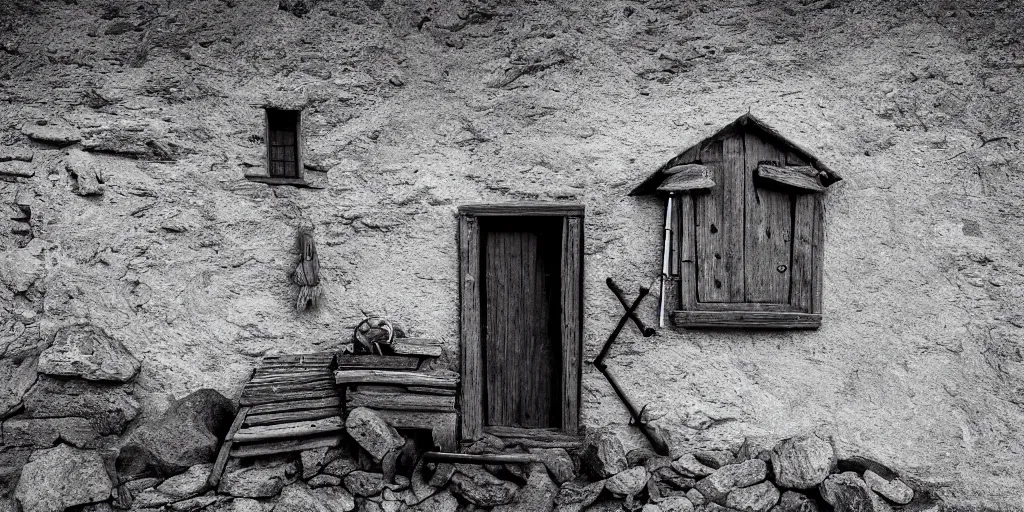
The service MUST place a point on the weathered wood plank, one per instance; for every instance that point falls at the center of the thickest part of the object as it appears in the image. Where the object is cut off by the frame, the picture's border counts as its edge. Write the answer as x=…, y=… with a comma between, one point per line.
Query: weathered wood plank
x=376, y=362
x=686, y=178
x=297, y=405
x=310, y=356
x=539, y=434
x=286, y=446
x=267, y=398
x=430, y=391
x=471, y=350
x=801, y=177
x=222, y=457
x=291, y=416
x=745, y=306
x=804, y=224
x=290, y=379
x=571, y=321
x=448, y=380
x=818, y=281
x=769, y=225
x=719, y=224
x=522, y=208
x=288, y=430
x=746, y=319
x=287, y=387
x=399, y=401
x=686, y=255
x=425, y=347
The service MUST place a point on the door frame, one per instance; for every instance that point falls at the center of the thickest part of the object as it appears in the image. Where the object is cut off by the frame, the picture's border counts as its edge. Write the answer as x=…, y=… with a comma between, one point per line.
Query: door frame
x=471, y=388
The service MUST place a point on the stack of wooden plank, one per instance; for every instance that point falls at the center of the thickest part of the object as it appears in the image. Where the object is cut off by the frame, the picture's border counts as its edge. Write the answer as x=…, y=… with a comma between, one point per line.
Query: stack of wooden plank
x=289, y=404
x=402, y=389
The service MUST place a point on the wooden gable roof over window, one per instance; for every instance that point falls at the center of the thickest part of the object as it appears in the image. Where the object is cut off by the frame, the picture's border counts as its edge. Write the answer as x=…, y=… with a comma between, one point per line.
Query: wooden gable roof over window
x=744, y=230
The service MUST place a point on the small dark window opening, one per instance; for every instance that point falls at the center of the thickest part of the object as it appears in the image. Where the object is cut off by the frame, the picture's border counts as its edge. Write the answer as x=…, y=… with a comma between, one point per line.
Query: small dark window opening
x=284, y=143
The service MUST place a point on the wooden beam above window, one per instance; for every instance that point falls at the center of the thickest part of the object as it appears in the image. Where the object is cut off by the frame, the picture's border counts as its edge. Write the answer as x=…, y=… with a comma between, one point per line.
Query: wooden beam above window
x=803, y=177
x=684, y=178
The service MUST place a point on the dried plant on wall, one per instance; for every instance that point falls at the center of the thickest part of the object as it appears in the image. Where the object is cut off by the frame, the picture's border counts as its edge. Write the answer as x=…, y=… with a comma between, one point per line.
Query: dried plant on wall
x=307, y=272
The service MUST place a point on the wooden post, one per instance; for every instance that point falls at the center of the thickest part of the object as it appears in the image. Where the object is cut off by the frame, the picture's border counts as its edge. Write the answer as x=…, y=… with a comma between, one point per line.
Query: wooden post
x=472, y=361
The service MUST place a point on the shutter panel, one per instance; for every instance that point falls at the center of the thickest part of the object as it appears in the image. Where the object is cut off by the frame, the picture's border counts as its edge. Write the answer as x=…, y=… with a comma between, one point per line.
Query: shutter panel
x=719, y=224
x=769, y=224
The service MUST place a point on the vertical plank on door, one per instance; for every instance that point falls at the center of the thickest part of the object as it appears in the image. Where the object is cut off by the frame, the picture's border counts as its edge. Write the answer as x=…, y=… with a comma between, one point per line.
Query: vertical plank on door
x=719, y=224
x=518, y=366
x=571, y=335
x=769, y=225
x=471, y=398
x=687, y=257
x=804, y=221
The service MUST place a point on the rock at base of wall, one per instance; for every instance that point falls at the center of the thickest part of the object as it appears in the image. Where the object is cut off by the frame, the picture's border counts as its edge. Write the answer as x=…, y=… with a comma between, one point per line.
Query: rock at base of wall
x=802, y=462
x=538, y=494
x=88, y=352
x=12, y=460
x=627, y=483
x=261, y=479
x=372, y=433
x=755, y=498
x=481, y=488
x=337, y=499
x=62, y=477
x=298, y=498
x=558, y=463
x=688, y=465
x=364, y=483
x=46, y=432
x=604, y=454
x=313, y=461
x=15, y=380
x=108, y=406
x=732, y=476
x=846, y=492
x=443, y=501
x=792, y=501
x=51, y=134
x=893, y=490
x=185, y=435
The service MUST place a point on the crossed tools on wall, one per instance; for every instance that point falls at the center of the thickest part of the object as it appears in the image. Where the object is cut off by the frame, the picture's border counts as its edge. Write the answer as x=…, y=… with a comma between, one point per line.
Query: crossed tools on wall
x=657, y=440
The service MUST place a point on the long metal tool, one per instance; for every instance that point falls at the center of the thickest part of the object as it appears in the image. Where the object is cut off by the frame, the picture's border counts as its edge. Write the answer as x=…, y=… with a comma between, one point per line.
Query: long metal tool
x=657, y=441
x=666, y=251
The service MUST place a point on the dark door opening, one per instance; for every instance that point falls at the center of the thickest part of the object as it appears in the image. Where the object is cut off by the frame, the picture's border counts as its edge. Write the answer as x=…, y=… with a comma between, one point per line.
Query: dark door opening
x=521, y=276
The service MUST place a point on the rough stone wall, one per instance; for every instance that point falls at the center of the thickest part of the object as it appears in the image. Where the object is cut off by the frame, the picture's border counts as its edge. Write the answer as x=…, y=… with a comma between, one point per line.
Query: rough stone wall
x=414, y=108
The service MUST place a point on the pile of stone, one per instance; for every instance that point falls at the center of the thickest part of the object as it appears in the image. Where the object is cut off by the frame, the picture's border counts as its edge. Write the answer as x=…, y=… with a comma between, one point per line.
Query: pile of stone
x=799, y=474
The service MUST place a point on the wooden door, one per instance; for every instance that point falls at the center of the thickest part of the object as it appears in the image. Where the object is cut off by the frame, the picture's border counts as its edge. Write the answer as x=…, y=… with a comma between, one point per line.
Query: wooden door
x=522, y=355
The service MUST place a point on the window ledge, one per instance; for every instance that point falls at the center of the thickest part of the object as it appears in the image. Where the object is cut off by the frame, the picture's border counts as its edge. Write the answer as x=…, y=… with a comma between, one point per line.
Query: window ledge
x=277, y=180
x=746, y=319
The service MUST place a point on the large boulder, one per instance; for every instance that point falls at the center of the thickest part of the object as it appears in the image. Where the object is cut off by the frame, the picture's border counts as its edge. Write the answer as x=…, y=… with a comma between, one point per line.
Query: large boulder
x=176, y=488
x=802, y=462
x=262, y=479
x=755, y=498
x=108, y=406
x=731, y=476
x=372, y=433
x=481, y=488
x=60, y=478
x=846, y=492
x=185, y=435
x=604, y=454
x=88, y=352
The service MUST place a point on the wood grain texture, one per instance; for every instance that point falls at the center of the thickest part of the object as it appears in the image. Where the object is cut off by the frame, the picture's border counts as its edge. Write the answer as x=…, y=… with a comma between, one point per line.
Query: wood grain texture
x=768, y=227
x=289, y=430
x=471, y=349
x=522, y=209
x=400, y=401
x=297, y=405
x=225, y=450
x=746, y=319
x=376, y=362
x=686, y=255
x=804, y=224
x=571, y=321
x=396, y=378
x=285, y=446
x=260, y=399
x=425, y=347
x=688, y=177
x=719, y=224
x=745, y=306
x=804, y=178
x=291, y=416
x=518, y=345
x=817, y=260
